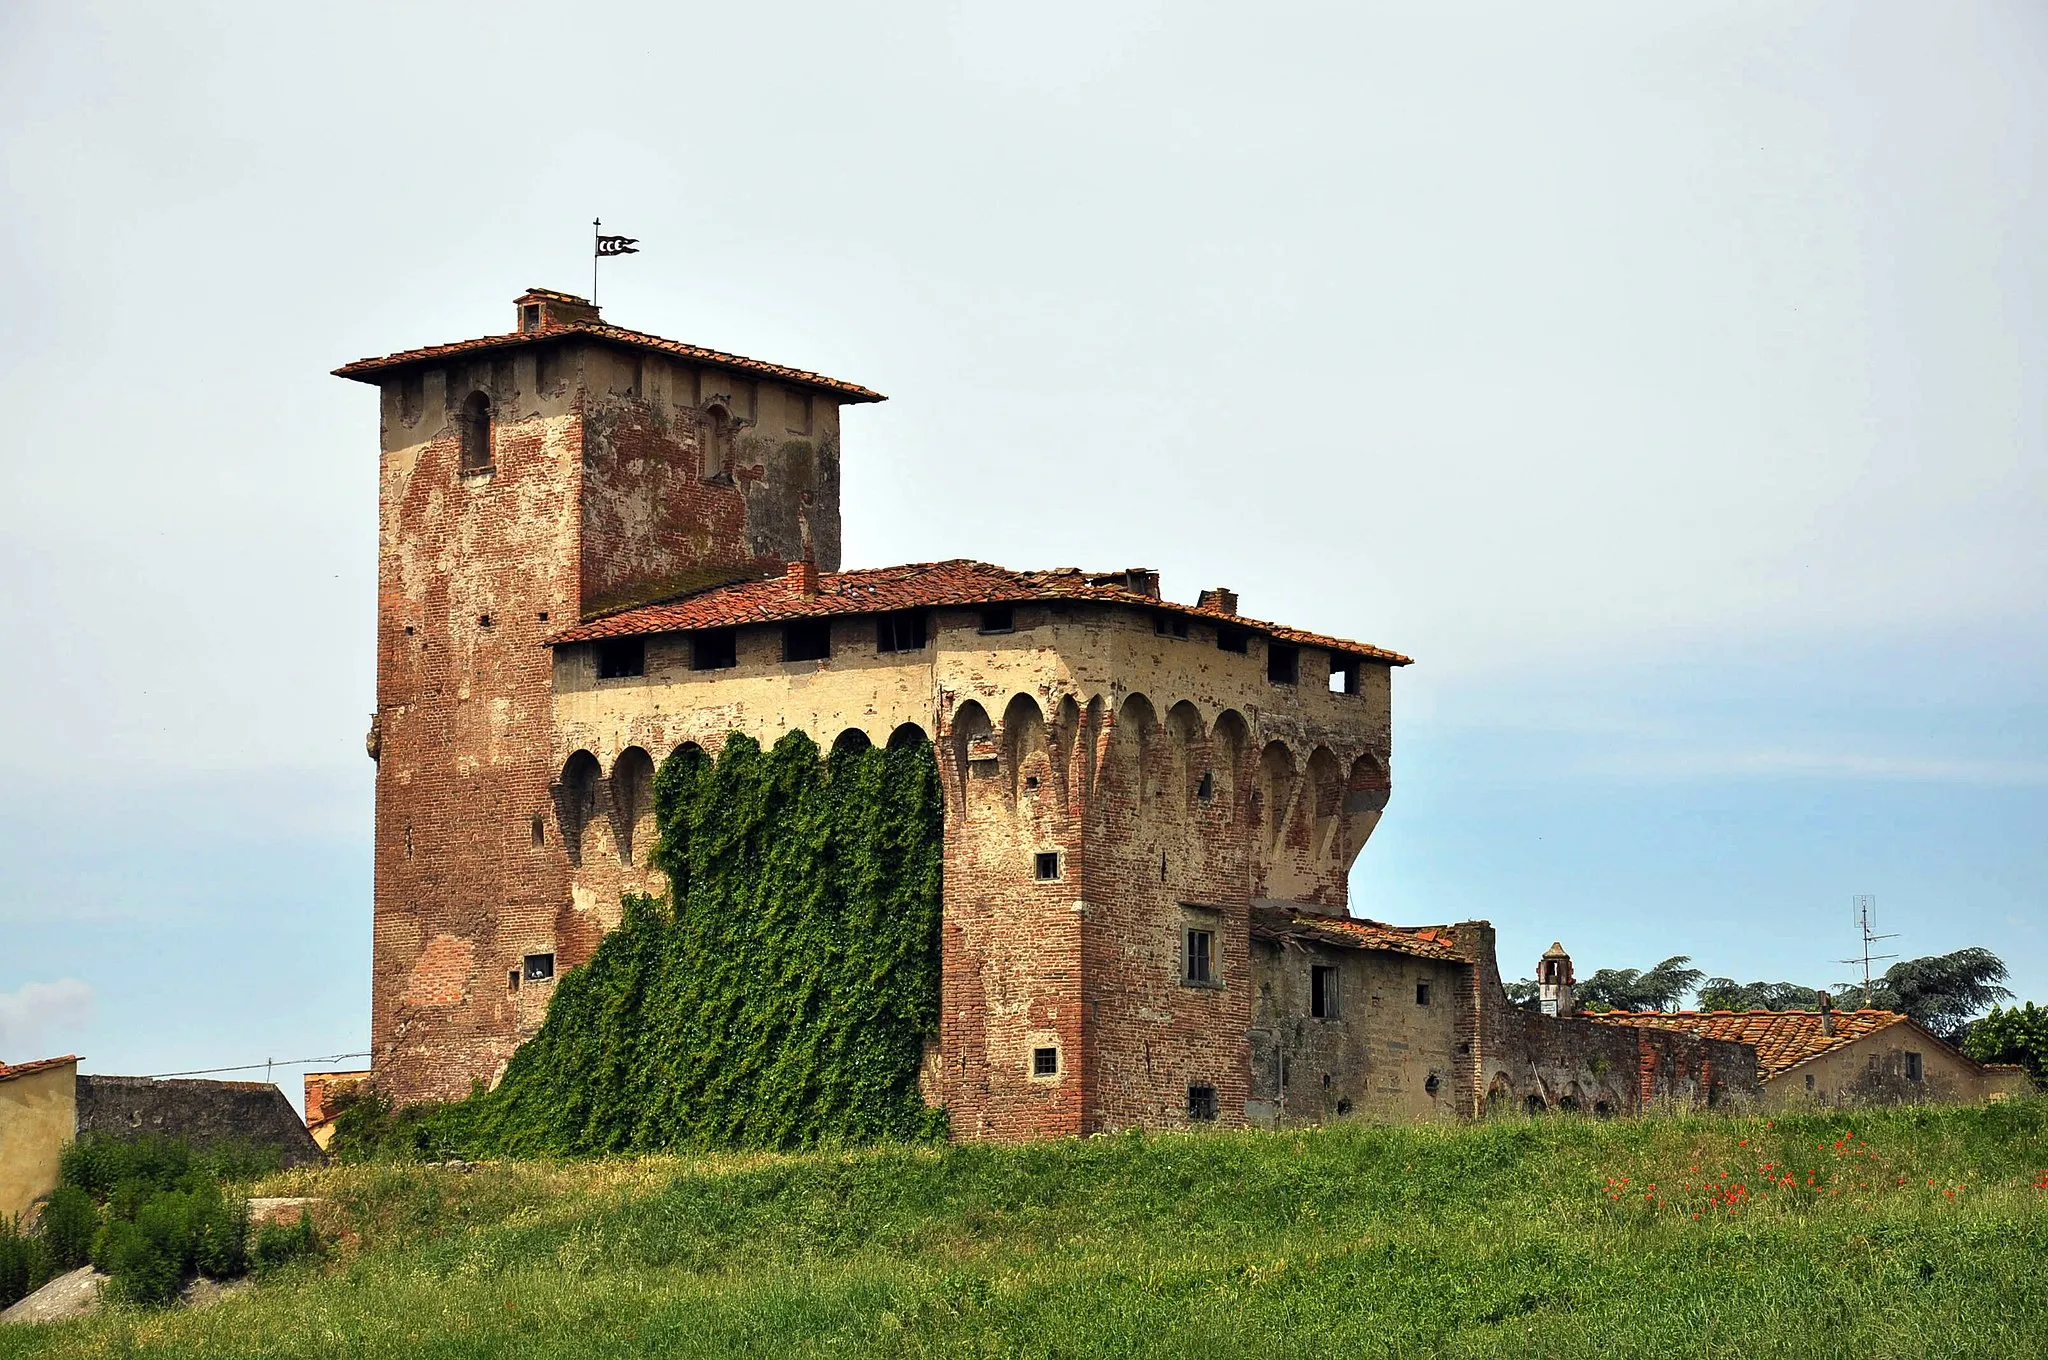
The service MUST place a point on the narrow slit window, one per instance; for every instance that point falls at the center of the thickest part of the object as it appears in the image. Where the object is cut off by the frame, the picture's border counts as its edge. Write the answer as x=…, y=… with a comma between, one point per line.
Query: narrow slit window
x=1045, y=1062
x=1205, y=788
x=716, y=649
x=476, y=434
x=807, y=640
x=1198, y=964
x=1422, y=993
x=1913, y=1068
x=618, y=658
x=1322, y=992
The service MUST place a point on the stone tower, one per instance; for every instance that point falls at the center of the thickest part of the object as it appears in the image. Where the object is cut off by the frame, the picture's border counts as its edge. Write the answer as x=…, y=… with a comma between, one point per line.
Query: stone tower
x=1554, y=981
x=529, y=480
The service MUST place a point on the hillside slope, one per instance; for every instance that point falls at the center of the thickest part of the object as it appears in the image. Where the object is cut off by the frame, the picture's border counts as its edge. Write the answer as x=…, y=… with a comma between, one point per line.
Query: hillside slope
x=1920, y=1233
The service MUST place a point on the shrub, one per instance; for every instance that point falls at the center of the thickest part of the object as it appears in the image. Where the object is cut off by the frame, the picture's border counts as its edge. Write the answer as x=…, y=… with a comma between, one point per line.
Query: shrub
x=24, y=1263
x=278, y=1244
x=68, y=1223
x=2013, y=1034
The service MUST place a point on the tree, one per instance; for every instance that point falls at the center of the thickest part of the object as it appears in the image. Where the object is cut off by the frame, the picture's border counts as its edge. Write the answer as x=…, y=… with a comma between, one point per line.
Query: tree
x=1524, y=994
x=2012, y=1035
x=1628, y=989
x=1941, y=991
x=1726, y=994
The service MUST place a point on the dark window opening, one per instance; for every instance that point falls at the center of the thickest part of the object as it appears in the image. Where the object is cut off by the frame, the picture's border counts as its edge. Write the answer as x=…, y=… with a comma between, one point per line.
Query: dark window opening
x=1322, y=992
x=618, y=658
x=1809, y=1081
x=1535, y=1105
x=1344, y=1105
x=1199, y=965
x=807, y=640
x=1048, y=864
x=512, y=980
x=1230, y=639
x=1601, y=1109
x=1422, y=993
x=1045, y=1062
x=900, y=632
x=1170, y=625
x=476, y=433
x=1202, y=1103
x=1343, y=674
x=1205, y=787
x=1433, y=1084
x=714, y=650
x=998, y=618
x=529, y=317
x=1030, y=783
x=716, y=438
x=540, y=830
x=483, y=620
x=1283, y=664
x=1913, y=1068
x=538, y=967
x=542, y=616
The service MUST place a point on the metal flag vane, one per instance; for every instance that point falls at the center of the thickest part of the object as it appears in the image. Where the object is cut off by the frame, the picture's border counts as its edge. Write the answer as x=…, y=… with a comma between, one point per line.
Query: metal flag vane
x=607, y=245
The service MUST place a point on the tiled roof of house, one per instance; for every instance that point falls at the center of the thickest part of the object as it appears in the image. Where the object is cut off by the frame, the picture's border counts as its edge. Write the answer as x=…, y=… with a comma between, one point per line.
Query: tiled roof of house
x=367, y=370
x=1782, y=1039
x=916, y=585
x=29, y=1069
x=1355, y=932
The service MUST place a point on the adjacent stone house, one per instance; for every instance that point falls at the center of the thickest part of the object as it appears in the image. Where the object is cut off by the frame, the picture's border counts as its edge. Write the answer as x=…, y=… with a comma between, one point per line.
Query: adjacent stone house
x=1829, y=1057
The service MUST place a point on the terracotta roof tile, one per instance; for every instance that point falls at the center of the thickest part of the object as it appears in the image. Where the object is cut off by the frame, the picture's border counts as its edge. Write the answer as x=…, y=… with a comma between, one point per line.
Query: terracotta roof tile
x=1356, y=932
x=1782, y=1039
x=916, y=585
x=367, y=370
x=29, y=1069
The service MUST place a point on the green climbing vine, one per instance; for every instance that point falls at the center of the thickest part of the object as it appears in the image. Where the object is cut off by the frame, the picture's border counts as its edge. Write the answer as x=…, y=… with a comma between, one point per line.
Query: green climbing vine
x=779, y=996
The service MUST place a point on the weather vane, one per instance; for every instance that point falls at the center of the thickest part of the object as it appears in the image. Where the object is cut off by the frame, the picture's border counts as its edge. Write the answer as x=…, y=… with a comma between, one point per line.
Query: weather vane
x=608, y=245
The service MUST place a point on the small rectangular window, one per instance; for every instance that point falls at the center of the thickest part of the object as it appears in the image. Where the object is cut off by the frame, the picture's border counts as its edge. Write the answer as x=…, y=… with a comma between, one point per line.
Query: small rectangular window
x=1170, y=625
x=1912, y=1067
x=538, y=967
x=1322, y=992
x=902, y=632
x=807, y=640
x=1230, y=639
x=1045, y=1062
x=715, y=650
x=1199, y=963
x=1343, y=674
x=1048, y=864
x=1422, y=993
x=529, y=317
x=998, y=618
x=1201, y=1103
x=621, y=657
x=1283, y=663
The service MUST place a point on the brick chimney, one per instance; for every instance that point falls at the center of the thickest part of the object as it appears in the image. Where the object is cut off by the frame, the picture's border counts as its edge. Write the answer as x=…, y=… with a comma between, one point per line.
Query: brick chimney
x=802, y=577
x=542, y=309
x=1221, y=599
x=1827, y=1014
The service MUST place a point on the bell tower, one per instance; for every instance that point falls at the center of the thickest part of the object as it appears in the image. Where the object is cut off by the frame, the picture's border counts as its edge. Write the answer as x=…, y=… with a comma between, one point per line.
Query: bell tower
x=528, y=481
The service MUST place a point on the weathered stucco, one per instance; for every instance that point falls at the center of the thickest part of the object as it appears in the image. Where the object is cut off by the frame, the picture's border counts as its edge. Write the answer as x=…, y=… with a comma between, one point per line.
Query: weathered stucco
x=38, y=1119
x=1876, y=1069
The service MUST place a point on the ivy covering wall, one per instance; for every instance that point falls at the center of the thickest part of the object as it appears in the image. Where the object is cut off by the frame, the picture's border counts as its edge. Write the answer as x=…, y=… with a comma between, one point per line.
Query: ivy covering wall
x=779, y=997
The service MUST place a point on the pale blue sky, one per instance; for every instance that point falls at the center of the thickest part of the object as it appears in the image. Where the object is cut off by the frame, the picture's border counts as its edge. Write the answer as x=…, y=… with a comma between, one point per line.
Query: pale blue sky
x=1664, y=378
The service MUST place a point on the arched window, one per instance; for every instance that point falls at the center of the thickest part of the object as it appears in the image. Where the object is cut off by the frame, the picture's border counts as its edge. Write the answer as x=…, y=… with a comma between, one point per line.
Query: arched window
x=717, y=440
x=476, y=433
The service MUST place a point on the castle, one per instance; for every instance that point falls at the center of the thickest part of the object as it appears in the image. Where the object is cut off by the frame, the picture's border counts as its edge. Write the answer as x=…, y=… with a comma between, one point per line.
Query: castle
x=597, y=546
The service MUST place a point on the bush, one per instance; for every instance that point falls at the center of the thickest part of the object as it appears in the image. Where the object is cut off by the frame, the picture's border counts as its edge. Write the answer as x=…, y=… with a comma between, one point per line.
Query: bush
x=279, y=1244
x=67, y=1226
x=24, y=1263
x=2013, y=1034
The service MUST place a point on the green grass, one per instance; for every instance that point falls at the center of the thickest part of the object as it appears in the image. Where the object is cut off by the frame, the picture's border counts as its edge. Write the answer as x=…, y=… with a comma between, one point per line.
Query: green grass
x=1510, y=1238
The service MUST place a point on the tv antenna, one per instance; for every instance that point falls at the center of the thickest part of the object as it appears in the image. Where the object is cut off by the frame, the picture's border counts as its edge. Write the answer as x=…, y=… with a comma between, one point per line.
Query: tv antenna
x=1866, y=908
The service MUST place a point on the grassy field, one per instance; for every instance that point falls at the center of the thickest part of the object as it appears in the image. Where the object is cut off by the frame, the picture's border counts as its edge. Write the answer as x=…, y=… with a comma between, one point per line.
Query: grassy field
x=1908, y=1233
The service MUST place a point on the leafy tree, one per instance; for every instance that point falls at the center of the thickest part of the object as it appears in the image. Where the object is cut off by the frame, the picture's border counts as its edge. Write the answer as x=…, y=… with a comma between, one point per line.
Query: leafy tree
x=1630, y=989
x=1726, y=994
x=1524, y=993
x=2013, y=1034
x=1941, y=991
